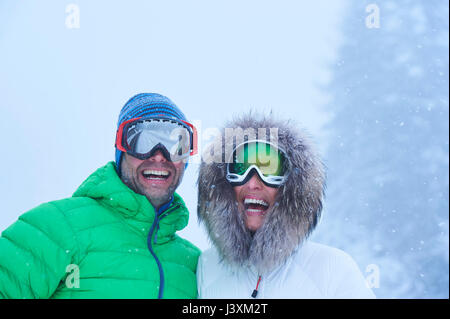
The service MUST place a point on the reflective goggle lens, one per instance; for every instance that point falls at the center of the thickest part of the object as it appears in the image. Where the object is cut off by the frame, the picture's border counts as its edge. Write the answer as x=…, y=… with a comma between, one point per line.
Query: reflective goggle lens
x=268, y=159
x=142, y=136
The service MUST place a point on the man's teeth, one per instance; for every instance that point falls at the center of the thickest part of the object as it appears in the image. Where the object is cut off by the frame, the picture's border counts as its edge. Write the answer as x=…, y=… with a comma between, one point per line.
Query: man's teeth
x=255, y=201
x=154, y=172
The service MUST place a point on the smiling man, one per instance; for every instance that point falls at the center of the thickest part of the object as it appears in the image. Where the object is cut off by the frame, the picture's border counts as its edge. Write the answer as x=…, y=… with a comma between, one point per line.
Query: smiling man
x=116, y=236
x=156, y=178
x=259, y=205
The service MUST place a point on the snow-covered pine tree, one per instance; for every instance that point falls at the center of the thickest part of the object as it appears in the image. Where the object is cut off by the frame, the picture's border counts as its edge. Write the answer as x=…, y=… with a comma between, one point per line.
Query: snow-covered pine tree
x=387, y=158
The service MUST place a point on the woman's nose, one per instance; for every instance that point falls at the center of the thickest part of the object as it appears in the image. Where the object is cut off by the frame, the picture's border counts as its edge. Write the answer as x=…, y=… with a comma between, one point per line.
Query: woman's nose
x=255, y=182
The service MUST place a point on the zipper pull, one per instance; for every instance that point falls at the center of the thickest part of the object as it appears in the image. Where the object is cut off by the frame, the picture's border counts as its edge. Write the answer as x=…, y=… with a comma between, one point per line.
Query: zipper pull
x=255, y=292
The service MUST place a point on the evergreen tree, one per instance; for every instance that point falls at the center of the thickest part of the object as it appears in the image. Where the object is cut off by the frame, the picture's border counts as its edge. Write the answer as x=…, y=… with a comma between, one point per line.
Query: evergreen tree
x=388, y=162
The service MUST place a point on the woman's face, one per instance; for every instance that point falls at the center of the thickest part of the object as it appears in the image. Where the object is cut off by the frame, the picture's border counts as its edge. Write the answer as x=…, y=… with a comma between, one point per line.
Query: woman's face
x=254, y=201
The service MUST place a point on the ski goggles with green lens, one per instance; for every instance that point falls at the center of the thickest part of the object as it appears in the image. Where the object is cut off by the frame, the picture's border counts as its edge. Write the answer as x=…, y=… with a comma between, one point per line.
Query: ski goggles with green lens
x=142, y=137
x=266, y=159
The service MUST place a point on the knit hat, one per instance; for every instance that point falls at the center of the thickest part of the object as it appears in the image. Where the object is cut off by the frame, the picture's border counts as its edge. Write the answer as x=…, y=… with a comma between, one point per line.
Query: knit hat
x=147, y=105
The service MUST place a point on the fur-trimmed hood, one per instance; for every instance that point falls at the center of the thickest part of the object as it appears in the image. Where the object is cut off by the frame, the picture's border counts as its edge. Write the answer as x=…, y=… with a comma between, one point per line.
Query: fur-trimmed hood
x=293, y=217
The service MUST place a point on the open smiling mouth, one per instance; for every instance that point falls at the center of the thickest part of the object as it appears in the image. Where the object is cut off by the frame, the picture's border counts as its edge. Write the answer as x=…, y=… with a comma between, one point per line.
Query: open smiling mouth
x=155, y=175
x=255, y=207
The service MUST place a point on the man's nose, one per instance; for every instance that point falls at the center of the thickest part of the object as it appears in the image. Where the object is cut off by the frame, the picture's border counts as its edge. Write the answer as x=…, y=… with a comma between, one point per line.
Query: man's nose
x=255, y=182
x=158, y=157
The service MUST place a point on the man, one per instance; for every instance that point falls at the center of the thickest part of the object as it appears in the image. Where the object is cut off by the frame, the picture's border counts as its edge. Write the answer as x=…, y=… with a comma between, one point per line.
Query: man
x=259, y=203
x=115, y=237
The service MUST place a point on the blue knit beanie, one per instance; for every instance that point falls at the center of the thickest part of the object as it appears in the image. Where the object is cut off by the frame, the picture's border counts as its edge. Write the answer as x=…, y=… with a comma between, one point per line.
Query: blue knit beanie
x=147, y=104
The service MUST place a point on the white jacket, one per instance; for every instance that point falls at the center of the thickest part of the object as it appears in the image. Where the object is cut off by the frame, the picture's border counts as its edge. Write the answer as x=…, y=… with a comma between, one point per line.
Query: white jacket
x=313, y=271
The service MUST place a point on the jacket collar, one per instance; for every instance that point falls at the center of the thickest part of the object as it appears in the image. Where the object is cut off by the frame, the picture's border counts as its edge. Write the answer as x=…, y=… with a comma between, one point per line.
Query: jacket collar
x=106, y=187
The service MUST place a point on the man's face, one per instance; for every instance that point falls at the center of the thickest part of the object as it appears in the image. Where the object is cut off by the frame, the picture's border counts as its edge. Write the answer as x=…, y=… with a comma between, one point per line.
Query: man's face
x=155, y=177
x=254, y=201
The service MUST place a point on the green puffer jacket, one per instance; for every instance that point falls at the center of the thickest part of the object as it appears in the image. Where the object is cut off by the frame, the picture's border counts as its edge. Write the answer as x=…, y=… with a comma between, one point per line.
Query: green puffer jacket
x=94, y=245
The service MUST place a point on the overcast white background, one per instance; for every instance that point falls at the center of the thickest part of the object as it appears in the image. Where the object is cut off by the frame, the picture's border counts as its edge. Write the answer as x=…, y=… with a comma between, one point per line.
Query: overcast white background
x=61, y=89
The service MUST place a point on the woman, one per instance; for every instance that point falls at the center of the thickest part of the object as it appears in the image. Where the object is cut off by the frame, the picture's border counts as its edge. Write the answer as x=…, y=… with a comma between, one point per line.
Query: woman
x=259, y=204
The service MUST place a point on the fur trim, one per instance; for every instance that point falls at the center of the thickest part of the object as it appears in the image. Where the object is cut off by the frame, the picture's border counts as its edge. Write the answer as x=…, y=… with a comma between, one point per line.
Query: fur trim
x=294, y=216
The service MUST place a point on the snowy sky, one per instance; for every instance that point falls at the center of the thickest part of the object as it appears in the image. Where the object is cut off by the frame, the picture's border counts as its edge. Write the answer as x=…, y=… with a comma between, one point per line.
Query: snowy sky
x=62, y=88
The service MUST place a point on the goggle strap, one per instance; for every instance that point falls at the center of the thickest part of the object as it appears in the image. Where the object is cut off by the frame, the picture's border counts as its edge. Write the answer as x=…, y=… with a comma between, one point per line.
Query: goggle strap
x=194, y=137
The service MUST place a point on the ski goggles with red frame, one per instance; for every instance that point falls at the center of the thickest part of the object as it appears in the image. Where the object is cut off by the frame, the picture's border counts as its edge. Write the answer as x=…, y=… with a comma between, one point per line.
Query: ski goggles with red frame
x=141, y=137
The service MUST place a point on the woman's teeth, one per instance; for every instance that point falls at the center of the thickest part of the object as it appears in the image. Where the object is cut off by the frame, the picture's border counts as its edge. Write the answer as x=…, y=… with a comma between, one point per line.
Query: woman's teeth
x=255, y=206
x=255, y=201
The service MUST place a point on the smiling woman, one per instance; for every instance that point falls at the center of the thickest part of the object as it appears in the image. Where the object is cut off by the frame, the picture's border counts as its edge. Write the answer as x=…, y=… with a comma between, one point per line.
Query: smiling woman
x=255, y=199
x=256, y=170
x=259, y=227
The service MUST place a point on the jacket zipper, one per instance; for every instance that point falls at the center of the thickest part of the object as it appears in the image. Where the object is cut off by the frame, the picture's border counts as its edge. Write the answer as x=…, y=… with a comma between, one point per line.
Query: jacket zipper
x=161, y=217
x=255, y=292
x=150, y=239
